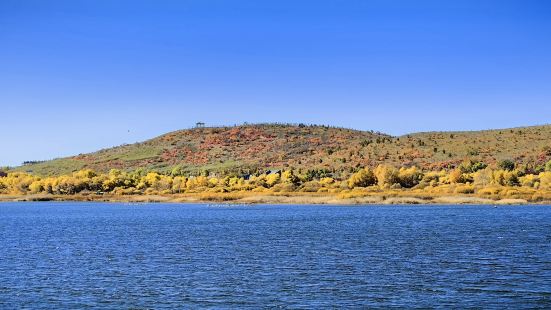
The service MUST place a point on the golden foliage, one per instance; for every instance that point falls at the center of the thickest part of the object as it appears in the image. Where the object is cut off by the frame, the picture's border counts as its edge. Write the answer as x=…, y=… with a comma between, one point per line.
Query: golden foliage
x=386, y=175
x=383, y=180
x=362, y=178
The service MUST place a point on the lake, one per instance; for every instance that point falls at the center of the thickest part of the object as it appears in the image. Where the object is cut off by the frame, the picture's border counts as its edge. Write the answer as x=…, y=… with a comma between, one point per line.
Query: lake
x=77, y=255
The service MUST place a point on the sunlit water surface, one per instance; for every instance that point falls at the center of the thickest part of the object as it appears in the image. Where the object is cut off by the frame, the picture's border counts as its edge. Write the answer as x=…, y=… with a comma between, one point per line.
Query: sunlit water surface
x=76, y=255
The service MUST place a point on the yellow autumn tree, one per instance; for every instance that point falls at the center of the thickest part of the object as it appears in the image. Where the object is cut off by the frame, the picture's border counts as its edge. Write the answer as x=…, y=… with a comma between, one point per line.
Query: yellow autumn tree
x=545, y=180
x=179, y=184
x=363, y=178
x=409, y=177
x=272, y=179
x=288, y=176
x=482, y=177
x=386, y=175
x=36, y=187
x=456, y=176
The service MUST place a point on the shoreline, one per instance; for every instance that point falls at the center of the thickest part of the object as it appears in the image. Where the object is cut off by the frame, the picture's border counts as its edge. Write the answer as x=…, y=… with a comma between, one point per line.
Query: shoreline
x=296, y=199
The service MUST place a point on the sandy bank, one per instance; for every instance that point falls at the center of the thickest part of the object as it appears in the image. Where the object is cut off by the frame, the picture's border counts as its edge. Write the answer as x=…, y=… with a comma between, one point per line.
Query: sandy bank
x=293, y=198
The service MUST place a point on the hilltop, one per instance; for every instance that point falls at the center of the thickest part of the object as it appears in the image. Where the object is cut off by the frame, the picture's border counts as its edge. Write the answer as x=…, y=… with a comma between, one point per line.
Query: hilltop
x=336, y=151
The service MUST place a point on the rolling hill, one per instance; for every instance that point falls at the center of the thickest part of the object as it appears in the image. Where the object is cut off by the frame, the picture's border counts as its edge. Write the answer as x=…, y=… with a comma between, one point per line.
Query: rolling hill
x=250, y=148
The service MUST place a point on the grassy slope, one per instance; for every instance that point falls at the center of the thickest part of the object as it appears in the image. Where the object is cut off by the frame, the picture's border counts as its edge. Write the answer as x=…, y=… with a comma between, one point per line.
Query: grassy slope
x=229, y=149
x=522, y=145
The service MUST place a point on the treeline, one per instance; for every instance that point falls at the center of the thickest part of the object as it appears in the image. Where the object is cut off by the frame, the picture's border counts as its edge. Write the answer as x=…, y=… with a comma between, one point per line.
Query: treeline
x=505, y=179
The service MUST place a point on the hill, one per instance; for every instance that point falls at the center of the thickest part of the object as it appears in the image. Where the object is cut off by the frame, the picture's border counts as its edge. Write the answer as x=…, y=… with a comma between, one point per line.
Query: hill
x=338, y=151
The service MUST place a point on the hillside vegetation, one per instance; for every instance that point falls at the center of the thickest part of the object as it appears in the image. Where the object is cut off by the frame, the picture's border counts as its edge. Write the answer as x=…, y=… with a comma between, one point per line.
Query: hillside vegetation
x=251, y=163
x=250, y=149
x=225, y=150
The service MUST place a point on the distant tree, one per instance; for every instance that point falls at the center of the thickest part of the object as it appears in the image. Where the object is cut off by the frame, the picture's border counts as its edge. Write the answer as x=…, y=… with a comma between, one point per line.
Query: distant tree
x=289, y=177
x=483, y=177
x=478, y=166
x=212, y=182
x=179, y=184
x=35, y=187
x=409, y=177
x=529, y=180
x=470, y=166
x=365, y=143
x=545, y=179
x=511, y=179
x=84, y=174
x=386, y=175
x=505, y=178
x=272, y=179
x=506, y=164
x=177, y=171
x=362, y=178
x=456, y=176
x=326, y=181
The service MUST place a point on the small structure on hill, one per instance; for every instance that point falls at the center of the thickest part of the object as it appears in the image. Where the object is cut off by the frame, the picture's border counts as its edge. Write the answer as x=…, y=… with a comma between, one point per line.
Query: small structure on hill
x=273, y=171
x=199, y=125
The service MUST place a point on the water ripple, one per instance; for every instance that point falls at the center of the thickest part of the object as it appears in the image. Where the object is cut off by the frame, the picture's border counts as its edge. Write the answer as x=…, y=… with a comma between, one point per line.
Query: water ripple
x=82, y=255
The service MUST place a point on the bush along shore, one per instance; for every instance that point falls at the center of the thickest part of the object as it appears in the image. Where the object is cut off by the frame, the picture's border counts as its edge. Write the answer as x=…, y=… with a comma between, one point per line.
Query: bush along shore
x=471, y=182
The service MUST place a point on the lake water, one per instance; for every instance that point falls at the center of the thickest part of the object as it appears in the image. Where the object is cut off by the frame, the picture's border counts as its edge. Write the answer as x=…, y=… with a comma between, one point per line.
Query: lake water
x=76, y=255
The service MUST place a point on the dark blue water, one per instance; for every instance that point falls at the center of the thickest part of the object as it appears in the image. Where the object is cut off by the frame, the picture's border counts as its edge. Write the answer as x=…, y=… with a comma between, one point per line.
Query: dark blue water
x=76, y=255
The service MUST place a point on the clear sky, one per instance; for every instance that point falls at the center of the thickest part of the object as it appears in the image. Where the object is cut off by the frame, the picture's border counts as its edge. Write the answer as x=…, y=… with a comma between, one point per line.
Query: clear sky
x=77, y=76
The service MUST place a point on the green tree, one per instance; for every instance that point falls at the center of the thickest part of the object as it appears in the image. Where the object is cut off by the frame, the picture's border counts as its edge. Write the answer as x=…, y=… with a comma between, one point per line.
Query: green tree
x=470, y=166
x=506, y=164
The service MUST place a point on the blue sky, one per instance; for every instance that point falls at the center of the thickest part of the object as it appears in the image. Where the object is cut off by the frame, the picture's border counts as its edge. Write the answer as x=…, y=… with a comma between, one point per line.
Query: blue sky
x=77, y=76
